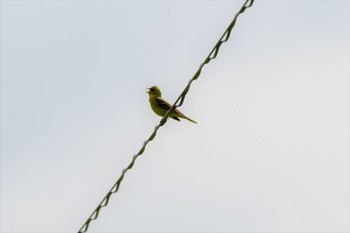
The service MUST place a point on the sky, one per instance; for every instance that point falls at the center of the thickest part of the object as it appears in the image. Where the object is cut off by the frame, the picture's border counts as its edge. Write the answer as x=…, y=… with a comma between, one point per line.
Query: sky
x=270, y=152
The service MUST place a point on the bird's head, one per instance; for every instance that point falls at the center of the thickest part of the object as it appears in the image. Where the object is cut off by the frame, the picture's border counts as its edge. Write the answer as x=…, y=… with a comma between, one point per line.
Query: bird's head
x=154, y=91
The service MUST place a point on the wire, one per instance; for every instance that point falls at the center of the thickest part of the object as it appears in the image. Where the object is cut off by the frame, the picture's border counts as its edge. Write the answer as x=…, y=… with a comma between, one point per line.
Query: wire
x=179, y=101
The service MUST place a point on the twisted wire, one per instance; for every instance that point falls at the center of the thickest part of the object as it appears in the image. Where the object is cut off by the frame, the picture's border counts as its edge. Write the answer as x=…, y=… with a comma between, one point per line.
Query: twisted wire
x=179, y=101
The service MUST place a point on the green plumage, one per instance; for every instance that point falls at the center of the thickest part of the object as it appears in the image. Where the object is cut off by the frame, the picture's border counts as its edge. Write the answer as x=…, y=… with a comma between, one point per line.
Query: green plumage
x=160, y=106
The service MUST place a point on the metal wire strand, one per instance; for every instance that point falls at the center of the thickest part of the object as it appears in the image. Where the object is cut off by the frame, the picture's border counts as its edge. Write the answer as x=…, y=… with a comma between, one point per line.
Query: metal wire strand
x=179, y=101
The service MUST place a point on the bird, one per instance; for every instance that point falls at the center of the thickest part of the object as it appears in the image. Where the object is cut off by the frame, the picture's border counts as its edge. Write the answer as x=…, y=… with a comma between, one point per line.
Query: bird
x=160, y=106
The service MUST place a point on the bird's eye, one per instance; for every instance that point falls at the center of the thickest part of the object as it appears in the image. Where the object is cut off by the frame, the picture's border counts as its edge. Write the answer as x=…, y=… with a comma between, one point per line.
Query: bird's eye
x=152, y=89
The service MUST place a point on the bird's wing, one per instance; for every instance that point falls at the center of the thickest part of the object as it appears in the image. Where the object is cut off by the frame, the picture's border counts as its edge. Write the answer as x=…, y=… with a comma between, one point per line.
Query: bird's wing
x=163, y=104
x=166, y=106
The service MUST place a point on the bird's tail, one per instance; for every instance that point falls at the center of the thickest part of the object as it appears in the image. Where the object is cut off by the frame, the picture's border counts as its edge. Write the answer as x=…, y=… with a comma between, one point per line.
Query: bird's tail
x=187, y=118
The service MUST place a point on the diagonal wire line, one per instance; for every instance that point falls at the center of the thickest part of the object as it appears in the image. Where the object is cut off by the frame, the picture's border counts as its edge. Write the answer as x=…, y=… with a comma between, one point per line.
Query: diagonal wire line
x=179, y=101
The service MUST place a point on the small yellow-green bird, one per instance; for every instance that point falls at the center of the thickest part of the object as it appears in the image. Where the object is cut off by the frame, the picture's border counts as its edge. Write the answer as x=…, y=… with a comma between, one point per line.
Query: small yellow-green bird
x=160, y=106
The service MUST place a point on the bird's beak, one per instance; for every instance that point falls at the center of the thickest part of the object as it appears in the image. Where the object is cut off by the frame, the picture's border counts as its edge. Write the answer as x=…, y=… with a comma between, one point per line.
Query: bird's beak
x=148, y=90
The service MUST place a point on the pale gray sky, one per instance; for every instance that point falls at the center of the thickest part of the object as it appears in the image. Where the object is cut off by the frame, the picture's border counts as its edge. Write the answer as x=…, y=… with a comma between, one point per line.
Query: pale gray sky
x=270, y=152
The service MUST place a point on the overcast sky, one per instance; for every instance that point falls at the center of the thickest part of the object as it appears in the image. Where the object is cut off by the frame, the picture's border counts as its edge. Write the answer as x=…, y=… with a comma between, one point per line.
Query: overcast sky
x=270, y=152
